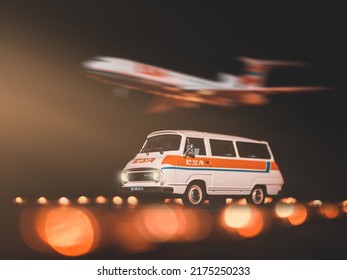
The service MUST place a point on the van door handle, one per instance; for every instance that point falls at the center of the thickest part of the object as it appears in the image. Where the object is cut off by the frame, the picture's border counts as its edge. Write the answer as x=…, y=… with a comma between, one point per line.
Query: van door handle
x=207, y=162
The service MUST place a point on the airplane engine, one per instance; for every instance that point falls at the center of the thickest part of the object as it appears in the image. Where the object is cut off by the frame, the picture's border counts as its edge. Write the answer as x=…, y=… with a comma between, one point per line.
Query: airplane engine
x=253, y=99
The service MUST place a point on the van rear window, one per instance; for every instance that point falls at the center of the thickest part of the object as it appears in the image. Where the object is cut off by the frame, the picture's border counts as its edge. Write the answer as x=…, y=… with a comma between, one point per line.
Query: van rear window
x=253, y=150
x=222, y=148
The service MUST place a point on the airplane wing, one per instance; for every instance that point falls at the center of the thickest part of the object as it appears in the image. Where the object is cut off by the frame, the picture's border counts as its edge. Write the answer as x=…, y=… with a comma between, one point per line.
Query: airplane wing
x=248, y=96
x=270, y=90
x=162, y=104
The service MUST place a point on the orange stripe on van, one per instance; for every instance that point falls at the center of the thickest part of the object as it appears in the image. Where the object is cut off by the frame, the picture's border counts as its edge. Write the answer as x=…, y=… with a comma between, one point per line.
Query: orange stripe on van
x=238, y=163
x=274, y=166
x=217, y=163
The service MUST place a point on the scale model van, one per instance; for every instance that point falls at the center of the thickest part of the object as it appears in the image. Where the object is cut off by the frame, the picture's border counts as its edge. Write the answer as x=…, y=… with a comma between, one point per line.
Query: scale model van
x=198, y=166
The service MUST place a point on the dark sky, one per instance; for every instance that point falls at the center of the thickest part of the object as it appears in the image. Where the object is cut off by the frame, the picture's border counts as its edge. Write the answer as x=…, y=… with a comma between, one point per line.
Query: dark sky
x=64, y=134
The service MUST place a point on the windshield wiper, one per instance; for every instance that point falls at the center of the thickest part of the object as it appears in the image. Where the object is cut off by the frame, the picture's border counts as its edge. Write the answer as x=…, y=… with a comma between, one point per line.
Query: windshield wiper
x=148, y=150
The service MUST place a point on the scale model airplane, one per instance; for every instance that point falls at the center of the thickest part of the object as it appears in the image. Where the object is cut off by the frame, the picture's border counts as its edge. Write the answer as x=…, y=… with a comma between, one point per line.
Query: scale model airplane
x=177, y=89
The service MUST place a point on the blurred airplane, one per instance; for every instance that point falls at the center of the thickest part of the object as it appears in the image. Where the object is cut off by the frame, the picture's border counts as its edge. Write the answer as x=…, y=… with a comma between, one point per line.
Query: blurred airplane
x=176, y=89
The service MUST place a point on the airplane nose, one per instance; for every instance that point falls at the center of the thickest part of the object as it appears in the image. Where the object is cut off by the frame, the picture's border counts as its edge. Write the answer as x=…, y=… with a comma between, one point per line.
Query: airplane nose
x=88, y=64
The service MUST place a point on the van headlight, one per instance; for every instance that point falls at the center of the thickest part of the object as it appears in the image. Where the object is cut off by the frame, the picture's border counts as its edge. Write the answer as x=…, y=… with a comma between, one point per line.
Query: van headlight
x=124, y=176
x=157, y=175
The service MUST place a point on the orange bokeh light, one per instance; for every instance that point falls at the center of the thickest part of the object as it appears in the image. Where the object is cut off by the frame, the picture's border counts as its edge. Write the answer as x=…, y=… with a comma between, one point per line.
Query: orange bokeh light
x=28, y=230
x=315, y=203
x=193, y=224
x=237, y=216
x=157, y=222
x=298, y=216
x=329, y=210
x=243, y=221
x=284, y=210
x=69, y=231
x=344, y=206
x=254, y=226
x=127, y=235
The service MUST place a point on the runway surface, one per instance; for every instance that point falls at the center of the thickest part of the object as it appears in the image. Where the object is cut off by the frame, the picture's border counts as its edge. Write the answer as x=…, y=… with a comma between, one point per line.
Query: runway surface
x=124, y=228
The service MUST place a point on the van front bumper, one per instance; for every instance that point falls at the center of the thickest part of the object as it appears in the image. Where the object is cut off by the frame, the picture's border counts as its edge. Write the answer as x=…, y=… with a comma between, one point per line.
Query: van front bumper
x=140, y=189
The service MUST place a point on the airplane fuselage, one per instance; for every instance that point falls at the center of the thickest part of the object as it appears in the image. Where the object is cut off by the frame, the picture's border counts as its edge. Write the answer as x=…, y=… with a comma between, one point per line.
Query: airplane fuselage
x=246, y=89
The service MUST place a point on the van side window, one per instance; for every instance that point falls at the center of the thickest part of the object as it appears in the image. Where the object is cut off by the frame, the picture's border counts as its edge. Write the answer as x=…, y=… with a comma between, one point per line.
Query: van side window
x=222, y=148
x=199, y=145
x=253, y=150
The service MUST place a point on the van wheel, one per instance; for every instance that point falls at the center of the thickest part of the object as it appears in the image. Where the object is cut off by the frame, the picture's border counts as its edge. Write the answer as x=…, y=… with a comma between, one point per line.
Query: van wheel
x=194, y=195
x=257, y=196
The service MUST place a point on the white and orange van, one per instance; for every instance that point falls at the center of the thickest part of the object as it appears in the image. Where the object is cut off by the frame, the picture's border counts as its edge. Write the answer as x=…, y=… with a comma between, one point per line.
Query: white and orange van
x=199, y=166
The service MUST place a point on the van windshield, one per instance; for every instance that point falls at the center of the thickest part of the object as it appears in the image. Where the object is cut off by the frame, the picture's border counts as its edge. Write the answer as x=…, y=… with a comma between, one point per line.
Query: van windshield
x=161, y=143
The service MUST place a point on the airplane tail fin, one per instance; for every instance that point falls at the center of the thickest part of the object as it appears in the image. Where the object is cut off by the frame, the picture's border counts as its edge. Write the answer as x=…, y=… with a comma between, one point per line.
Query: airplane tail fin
x=256, y=70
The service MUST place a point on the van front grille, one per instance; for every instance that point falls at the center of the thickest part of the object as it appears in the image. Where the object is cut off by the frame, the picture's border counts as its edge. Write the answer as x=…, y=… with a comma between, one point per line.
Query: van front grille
x=140, y=176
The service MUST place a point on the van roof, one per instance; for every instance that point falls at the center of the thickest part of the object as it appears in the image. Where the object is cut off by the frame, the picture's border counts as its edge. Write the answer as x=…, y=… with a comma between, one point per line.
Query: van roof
x=193, y=133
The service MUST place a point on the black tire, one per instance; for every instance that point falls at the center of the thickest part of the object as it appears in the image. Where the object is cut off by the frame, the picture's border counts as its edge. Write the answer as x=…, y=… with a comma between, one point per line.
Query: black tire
x=257, y=196
x=217, y=201
x=195, y=195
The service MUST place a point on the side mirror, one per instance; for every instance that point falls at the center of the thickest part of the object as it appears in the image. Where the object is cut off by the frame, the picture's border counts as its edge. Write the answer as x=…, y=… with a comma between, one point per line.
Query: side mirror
x=190, y=151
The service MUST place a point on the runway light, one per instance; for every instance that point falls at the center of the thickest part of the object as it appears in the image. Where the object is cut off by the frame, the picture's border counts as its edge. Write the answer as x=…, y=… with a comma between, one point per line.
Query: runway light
x=42, y=201
x=298, y=216
x=83, y=200
x=132, y=201
x=329, y=211
x=288, y=200
x=19, y=200
x=117, y=200
x=228, y=201
x=63, y=201
x=315, y=203
x=242, y=201
x=268, y=200
x=236, y=216
x=178, y=201
x=101, y=200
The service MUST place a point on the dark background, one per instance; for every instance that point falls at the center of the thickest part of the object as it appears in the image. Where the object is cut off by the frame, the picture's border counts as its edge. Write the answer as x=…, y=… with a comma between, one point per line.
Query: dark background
x=64, y=134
